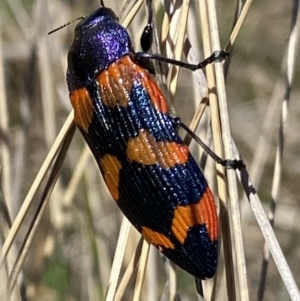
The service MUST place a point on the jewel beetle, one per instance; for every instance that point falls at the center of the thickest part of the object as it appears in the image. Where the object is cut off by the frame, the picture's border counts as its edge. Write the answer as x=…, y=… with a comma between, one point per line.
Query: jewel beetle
x=149, y=171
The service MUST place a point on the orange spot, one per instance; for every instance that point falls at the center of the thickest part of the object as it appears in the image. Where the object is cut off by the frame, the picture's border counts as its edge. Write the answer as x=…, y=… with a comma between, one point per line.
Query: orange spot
x=110, y=167
x=83, y=108
x=157, y=239
x=145, y=150
x=116, y=82
x=188, y=216
x=157, y=98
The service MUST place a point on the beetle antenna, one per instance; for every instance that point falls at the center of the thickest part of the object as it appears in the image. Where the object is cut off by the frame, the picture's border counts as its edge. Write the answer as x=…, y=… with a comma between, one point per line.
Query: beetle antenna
x=102, y=3
x=67, y=24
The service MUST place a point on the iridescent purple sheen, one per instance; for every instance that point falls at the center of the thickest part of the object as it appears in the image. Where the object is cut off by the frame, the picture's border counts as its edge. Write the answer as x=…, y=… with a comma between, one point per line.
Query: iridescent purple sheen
x=99, y=41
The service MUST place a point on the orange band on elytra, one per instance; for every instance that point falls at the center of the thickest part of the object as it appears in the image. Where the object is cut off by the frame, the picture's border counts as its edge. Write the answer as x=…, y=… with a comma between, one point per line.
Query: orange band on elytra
x=83, y=108
x=204, y=212
x=145, y=150
x=156, y=238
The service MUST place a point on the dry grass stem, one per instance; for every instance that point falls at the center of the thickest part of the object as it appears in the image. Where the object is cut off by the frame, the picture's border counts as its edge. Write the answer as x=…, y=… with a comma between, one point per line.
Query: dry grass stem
x=177, y=51
x=118, y=258
x=70, y=191
x=129, y=271
x=238, y=26
x=131, y=14
x=35, y=185
x=289, y=75
x=226, y=140
x=141, y=272
x=5, y=159
x=269, y=236
x=42, y=206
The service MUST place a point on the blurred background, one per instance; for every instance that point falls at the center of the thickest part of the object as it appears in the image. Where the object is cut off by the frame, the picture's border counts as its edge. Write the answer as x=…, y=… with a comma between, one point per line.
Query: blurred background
x=73, y=250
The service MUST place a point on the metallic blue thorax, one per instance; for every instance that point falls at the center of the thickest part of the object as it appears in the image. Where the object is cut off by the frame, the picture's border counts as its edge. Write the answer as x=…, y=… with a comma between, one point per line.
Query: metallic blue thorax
x=99, y=41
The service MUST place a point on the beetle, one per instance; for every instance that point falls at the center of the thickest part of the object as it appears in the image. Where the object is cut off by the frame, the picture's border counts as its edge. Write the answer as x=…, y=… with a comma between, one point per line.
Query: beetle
x=149, y=171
